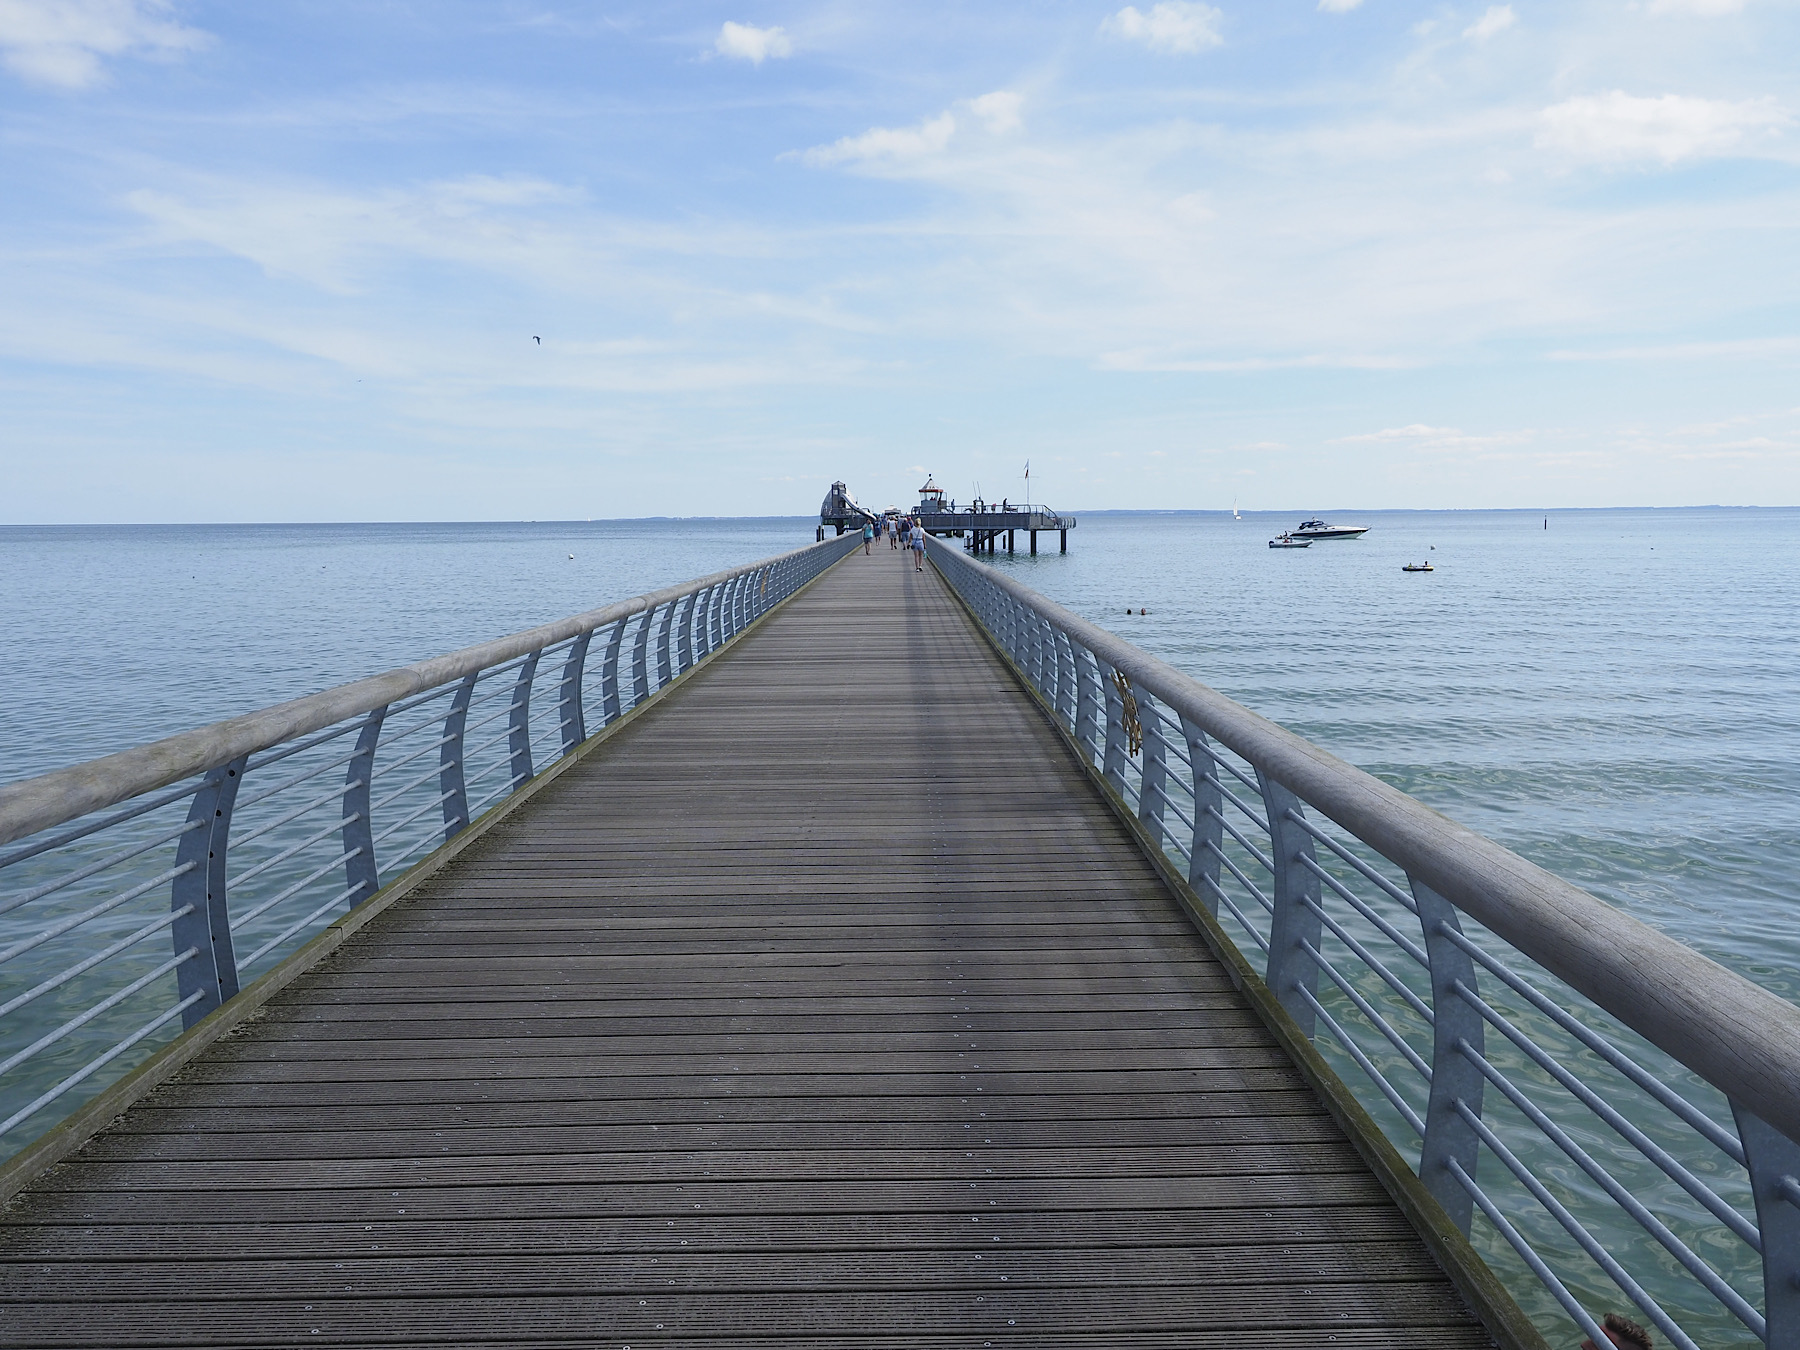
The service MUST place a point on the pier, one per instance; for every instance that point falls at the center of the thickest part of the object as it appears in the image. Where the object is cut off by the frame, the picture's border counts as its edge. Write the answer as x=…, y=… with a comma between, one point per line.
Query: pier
x=864, y=960
x=981, y=524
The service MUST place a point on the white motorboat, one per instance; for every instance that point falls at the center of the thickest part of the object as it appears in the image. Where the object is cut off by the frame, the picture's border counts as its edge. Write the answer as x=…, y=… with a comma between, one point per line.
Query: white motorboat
x=1318, y=529
x=1288, y=541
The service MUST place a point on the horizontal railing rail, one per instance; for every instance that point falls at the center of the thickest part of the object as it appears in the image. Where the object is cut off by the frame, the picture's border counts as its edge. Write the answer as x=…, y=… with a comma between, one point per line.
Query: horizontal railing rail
x=1620, y=1109
x=139, y=892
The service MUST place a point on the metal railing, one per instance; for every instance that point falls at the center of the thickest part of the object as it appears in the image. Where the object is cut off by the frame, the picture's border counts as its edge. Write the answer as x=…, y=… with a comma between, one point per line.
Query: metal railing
x=144, y=889
x=1621, y=1110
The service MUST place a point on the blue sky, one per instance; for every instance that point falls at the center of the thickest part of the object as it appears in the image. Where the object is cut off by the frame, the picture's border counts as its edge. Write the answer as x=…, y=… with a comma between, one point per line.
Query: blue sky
x=286, y=261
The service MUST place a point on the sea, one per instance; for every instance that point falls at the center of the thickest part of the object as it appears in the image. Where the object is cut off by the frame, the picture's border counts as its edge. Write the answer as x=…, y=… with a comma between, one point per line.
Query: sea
x=1614, y=694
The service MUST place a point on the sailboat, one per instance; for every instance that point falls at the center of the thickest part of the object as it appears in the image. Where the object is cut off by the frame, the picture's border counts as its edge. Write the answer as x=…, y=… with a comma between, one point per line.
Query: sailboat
x=1234, y=510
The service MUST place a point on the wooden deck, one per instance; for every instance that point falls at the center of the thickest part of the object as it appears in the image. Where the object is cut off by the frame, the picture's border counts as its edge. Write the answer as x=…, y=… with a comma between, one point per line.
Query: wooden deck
x=734, y=1036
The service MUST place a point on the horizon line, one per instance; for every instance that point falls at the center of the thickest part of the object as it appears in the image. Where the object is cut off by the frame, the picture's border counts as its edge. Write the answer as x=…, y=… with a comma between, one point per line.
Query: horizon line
x=809, y=516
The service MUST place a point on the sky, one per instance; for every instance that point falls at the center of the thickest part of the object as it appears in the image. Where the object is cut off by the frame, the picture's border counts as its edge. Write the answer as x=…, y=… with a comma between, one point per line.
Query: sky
x=311, y=260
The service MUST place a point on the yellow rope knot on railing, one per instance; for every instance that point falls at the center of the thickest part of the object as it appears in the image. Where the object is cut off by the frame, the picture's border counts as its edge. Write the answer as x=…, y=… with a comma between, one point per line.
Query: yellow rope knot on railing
x=1134, y=729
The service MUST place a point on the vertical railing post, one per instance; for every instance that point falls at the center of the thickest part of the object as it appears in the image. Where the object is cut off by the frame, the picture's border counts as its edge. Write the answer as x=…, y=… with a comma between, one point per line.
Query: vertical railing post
x=201, y=890
x=361, y=876
x=698, y=645
x=1773, y=1161
x=452, y=780
x=1067, y=697
x=684, y=643
x=570, y=715
x=1455, y=1078
x=715, y=606
x=1088, y=695
x=518, y=741
x=1154, y=782
x=1209, y=818
x=1291, y=967
x=610, y=708
x=664, y=630
x=1112, y=760
x=640, y=658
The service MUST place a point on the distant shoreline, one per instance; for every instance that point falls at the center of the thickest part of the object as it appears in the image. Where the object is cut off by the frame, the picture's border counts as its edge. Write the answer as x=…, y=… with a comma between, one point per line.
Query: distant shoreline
x=810, y=518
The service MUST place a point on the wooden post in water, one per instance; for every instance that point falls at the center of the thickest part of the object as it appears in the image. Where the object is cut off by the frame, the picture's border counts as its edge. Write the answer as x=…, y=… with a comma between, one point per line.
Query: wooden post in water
x=1065, y=541
x=1009, y=541
x=1034, y=543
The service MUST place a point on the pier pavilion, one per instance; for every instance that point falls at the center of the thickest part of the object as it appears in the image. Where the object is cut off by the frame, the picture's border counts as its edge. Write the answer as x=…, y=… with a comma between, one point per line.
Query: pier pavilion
x=752, y=1017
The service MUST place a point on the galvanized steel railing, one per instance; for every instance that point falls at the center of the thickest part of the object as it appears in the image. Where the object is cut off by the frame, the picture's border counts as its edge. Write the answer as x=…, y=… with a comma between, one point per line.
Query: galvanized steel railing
x=136, y=880
x=1620, y=1109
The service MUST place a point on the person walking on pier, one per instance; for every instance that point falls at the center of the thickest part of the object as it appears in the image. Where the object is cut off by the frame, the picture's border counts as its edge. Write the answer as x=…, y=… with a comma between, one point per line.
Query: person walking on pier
x=918, y=546
x=868, y=538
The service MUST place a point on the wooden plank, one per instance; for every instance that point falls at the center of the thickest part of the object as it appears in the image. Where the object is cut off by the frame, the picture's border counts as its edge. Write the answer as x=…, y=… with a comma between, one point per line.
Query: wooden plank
x=826, y=1005
x=196, y=1111
x=362, y=1276
x=324, y=1140
x=998, y=1311
x=574, y=1167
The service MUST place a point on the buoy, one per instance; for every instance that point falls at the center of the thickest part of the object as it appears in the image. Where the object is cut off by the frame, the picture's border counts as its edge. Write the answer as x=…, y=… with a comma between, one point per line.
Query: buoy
x=571, y=555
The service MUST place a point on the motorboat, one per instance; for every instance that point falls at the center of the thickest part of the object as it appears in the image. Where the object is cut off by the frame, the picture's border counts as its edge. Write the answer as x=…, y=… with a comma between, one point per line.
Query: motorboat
x=1417, y=567
x=1288, y=541
x=1318, y=529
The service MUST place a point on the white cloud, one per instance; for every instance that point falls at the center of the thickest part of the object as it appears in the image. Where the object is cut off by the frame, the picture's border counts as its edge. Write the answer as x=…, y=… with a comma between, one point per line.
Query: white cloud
x=888, y=143
x=63, y=42
x=1704, y=8
x=1498, y=19
x=744, y=42
x=999, y=110
x=1172, y=26
x=1734, y=350
x=327, y=238
x=1417, y=431
x=1422, y=437
x=1620, y=127
x=1338, y=6
x=1192, y=209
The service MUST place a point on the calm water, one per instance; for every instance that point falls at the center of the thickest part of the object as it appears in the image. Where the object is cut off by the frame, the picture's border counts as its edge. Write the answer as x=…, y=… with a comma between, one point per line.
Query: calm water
x=118, y=635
